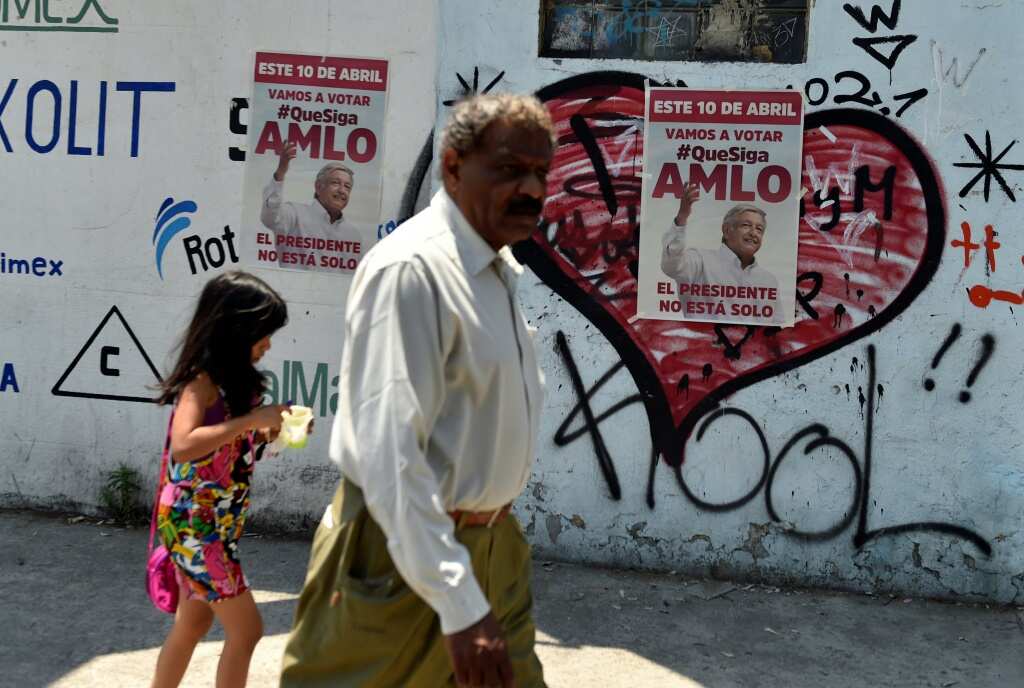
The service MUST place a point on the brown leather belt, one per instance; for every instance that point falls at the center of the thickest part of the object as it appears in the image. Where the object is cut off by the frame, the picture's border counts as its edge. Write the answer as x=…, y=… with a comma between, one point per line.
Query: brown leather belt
x=476, y=519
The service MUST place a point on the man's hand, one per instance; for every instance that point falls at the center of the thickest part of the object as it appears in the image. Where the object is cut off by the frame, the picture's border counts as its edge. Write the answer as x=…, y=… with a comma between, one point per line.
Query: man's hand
x=480, y=656
x=289, y=149
x=691, y=194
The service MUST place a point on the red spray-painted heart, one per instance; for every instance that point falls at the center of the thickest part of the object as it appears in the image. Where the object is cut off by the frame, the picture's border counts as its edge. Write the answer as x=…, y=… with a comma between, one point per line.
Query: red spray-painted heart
x=871, y=235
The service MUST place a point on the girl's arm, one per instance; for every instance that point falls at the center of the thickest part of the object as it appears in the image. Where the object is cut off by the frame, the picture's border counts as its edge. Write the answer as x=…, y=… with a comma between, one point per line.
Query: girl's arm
x=190, y=439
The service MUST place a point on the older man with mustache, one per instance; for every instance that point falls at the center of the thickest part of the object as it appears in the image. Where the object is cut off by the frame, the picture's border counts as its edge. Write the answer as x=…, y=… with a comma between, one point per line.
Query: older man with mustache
x=419, y=574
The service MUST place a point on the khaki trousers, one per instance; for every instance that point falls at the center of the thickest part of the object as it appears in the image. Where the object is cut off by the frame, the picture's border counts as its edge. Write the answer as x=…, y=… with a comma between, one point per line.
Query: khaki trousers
x=359, y=624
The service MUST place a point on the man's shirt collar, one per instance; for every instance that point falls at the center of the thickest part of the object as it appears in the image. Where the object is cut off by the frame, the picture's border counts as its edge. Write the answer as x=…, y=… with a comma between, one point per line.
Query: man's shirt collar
x=728, y=256
x=471, y=249
x=321, y=213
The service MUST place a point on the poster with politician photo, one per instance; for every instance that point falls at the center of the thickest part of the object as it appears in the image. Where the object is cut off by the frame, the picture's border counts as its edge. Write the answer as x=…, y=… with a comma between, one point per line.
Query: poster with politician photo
x=313, y=170
x=721, y=194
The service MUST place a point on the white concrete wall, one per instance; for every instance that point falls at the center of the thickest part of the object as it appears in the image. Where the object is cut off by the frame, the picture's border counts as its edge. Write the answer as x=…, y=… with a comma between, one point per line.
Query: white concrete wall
x=934, y=460
x=96, y=214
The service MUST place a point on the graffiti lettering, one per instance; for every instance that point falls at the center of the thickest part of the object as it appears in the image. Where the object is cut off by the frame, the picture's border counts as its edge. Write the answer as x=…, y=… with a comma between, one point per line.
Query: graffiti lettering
x=817, y=436
x=818, y=90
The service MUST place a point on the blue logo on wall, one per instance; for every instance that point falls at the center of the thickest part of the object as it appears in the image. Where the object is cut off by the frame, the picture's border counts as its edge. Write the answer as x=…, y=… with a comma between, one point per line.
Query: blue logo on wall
x=172, y=219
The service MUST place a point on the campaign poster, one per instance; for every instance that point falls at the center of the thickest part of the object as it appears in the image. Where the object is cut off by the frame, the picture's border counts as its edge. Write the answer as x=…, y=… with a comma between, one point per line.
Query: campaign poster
x=312, y=191
x=721, y=195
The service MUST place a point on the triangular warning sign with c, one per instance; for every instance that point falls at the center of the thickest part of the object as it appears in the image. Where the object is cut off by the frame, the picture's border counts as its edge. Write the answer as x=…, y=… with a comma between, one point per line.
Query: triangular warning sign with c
x=111, y=365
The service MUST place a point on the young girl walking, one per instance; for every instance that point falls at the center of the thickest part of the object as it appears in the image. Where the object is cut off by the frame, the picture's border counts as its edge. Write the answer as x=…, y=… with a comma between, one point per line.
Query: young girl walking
x=215, y=426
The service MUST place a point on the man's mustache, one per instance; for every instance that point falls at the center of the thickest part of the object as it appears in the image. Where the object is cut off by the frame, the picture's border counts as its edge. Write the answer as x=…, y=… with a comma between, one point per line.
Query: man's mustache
x=524, y=205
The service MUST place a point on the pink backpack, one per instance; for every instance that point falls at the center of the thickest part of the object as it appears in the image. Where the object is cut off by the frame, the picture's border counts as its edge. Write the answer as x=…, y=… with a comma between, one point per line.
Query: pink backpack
x=161, y=581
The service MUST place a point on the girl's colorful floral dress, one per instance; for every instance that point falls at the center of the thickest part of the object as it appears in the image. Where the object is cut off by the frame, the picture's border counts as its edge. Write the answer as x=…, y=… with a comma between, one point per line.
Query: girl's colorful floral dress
x=202, y=513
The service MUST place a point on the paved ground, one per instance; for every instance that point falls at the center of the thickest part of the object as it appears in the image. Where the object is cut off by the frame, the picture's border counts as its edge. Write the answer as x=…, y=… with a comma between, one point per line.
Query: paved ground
x=74, y=613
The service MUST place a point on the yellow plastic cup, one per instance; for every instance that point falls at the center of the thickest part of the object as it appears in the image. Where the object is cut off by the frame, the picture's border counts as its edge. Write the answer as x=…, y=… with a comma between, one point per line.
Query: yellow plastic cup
x=295, y=426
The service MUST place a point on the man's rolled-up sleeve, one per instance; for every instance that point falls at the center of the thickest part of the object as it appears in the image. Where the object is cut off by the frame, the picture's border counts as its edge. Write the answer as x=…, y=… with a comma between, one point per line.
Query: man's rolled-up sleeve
x=677, y=261
x=396, y=383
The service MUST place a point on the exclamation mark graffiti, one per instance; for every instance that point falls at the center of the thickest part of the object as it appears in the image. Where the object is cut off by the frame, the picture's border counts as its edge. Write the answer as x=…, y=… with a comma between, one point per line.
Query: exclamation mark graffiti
x=954, y=334
x=988, y=345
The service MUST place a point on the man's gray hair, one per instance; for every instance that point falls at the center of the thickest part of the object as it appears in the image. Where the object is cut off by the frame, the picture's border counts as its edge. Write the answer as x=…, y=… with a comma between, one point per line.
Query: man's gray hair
x=470, y=117
x=730, y=218
x=331, y=167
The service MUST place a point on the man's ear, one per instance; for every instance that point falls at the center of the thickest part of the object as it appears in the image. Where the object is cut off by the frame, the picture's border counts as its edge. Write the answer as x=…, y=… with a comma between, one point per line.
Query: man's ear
x=450, y=172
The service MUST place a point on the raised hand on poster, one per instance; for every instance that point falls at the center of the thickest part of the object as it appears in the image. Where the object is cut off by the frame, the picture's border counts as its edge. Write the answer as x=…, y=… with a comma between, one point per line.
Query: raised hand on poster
x=289, y=149
x=691, y=194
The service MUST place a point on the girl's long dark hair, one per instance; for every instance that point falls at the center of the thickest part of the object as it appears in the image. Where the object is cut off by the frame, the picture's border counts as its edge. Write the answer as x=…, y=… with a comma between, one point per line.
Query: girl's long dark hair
x=235, y=311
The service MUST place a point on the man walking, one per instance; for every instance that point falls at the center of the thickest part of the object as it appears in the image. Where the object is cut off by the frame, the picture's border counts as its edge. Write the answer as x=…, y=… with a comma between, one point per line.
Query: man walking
x=419, y=575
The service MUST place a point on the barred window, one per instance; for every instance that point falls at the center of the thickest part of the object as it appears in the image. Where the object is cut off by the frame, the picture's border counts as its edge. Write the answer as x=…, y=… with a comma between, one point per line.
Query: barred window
x=697, y=30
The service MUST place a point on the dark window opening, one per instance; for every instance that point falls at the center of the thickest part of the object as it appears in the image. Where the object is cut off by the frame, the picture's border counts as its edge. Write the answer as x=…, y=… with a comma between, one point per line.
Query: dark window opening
x=676, y=30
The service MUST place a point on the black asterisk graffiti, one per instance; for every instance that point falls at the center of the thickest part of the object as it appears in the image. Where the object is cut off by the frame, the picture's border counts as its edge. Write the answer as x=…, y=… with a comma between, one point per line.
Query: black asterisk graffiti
x=990, y=167
x=468, y=90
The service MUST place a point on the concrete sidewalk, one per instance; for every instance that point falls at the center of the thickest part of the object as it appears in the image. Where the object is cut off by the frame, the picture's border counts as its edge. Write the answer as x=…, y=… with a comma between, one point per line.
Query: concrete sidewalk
x=74, y=613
